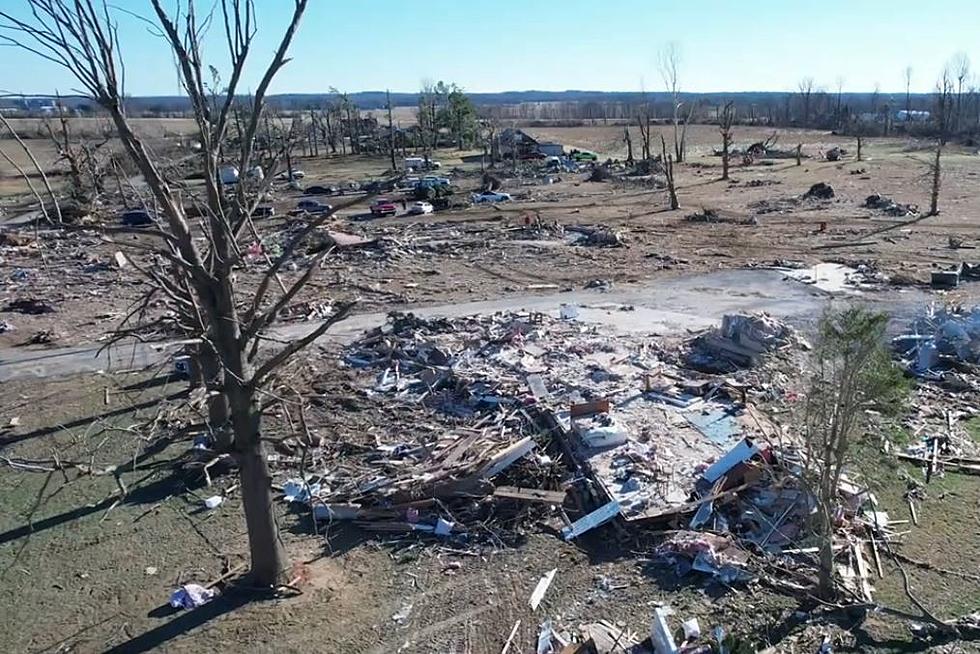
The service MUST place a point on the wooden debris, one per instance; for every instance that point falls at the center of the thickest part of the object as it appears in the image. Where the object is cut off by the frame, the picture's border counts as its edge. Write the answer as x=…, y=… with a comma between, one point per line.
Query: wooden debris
x=530, y=494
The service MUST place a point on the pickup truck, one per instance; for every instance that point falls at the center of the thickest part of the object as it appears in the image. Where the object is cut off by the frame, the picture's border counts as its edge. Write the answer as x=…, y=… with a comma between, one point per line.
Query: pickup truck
x=383, y=207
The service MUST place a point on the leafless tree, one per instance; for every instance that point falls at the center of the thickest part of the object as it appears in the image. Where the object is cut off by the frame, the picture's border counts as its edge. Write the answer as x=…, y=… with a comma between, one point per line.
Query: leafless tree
x=670, y=62
x=805, y=88
x=725, y=127
x=960, y=65
x=391, y=131
x=668, y=161
x=935, y=174
x=202, y=258
x=643, y=122
x=840, y=92
x=629, y=144
x=907, y=75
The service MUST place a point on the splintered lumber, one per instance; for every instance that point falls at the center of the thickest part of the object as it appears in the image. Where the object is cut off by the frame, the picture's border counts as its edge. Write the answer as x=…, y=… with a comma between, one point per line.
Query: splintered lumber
x=530, y=494
x=510, y=639
x=966, y=466
x=915, y=518
x=862, y=572
x=874, y=551
x=506, y=458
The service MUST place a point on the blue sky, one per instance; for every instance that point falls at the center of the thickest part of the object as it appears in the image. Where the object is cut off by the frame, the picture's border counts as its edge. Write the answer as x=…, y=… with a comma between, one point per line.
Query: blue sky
x=610, y=45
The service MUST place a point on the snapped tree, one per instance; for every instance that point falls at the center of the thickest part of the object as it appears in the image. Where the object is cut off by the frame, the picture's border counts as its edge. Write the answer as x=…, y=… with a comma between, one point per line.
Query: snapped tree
x=201, y=258
x=725, y=127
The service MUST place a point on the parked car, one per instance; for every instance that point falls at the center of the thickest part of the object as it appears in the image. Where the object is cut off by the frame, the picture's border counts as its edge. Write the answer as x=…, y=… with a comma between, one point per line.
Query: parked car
x=533, y=155
x=383, y=207
x=136, y=218
x=312, y=206
x=263, y=211
x=321, y=190
x=432, y=180
x=584, y=155
x=420, y=208
x=491, y=196
x=284, y=175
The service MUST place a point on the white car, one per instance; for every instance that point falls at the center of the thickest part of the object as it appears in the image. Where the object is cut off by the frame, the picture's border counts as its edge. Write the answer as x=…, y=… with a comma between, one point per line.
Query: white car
x=491, y=196
x=420, y=208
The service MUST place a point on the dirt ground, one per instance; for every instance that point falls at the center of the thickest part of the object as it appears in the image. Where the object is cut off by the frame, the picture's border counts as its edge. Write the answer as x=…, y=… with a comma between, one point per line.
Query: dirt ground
x=82, y=574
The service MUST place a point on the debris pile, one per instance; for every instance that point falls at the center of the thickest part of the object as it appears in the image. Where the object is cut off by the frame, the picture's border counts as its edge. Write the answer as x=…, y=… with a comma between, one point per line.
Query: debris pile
x=889, y=206
x=741, y=341
x=940, y=339
x=596, y=236
x=719, y=216
x=819, y=191
x=835, y=153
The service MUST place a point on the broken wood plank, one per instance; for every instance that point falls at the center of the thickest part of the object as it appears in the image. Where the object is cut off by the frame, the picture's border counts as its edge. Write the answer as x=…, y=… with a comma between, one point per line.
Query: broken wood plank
x=949, y=464
x=915, y=518
x=862, y=573
x=592, y=520
x=510, y=639
x=588, y=408
x=504, y=459
x=530, y=494
x=874, y=552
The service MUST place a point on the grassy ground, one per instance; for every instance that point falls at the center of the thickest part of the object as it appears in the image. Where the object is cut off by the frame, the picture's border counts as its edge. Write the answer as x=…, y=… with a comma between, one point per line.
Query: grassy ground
x=947, y=537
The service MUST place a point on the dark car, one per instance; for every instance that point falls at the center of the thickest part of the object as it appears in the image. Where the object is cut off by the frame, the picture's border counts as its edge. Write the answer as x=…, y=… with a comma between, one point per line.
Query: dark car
x=136, y=218
x=263, y=211
x=533, y=155
x=312, y=206
x=321, y=190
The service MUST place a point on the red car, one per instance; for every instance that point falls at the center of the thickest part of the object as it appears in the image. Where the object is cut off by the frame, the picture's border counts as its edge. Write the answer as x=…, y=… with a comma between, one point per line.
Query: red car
x=383, y=207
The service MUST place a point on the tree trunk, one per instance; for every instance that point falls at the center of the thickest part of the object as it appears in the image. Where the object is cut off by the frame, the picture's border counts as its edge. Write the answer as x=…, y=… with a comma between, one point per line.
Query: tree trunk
x=859, y=143
x=269, y=562
x=724, y=156
x=936, y=182
x=799, y=154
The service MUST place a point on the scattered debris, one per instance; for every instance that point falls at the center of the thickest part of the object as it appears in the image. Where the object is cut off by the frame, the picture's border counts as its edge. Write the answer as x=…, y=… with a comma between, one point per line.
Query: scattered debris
x=542, y=587
x=889, y=206
x=835, y=153
x=819, y=191
x=191, y=596
x=30, y=306
x=719, y=216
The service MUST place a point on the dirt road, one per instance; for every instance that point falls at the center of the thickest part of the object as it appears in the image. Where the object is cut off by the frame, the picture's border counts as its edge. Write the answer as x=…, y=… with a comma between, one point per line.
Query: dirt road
x=666, y=307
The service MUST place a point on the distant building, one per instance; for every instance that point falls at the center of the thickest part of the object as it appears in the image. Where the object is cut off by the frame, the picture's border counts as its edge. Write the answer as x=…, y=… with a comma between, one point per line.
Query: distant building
x=912, y=116
x=516, y=142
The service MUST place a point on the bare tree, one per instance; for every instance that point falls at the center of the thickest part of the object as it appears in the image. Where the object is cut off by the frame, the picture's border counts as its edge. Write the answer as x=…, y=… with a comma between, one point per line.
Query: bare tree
x=840, y=92
x=960, y=65
x=391, y=131
x=852, y=374
x=643, y=122
x=805, y=87
x=669, y=60
x=935, y=175
x=668, y=161
x=201, y=261
x=629, y=144
x=725, y=127
x=907, y=75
